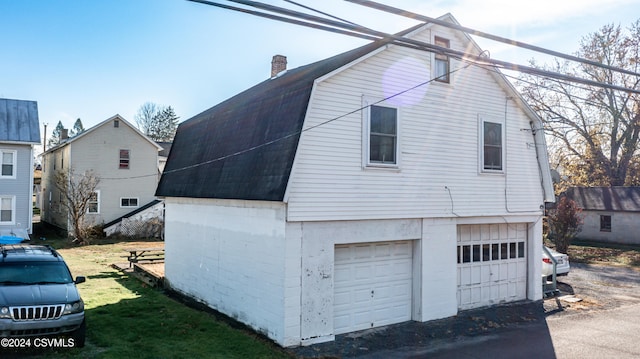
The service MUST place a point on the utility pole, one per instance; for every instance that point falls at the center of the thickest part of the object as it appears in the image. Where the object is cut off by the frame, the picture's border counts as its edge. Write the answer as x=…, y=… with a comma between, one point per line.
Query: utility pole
x=44, y=141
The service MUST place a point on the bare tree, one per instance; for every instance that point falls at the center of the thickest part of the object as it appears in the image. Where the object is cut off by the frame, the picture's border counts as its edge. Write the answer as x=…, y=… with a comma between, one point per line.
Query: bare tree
x=79, y=191
x=593, y=132
x=145, y=117
x=157, y=122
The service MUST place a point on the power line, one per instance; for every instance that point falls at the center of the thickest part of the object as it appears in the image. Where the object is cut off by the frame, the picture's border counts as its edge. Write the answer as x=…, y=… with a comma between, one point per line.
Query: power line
x=353, y=29
x=359, y=31
x=415, y=16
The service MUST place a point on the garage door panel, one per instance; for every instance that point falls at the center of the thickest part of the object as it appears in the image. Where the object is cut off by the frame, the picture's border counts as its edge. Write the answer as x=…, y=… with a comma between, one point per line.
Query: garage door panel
x=492, y=264
x=373, y=285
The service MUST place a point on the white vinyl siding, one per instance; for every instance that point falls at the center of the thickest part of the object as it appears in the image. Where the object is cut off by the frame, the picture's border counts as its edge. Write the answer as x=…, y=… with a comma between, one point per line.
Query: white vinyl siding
x=439, y=152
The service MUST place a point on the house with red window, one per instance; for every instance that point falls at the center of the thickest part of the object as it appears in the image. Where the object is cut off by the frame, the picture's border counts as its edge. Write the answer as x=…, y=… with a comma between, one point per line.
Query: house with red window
x=122, y=157
x=381, y=185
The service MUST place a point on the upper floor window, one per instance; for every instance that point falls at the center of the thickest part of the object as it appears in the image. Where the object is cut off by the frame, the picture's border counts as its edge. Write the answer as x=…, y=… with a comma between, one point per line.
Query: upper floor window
x=492, y=140
x=93, y=205
x=383, y=135
x=8, y=162
x=124, y=159
x=7, y=209
x=441, y=61
x=605, y=223
x=116, y=123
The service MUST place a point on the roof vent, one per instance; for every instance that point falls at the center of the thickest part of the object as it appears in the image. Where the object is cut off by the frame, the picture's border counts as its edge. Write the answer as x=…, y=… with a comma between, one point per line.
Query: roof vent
x=278, y=65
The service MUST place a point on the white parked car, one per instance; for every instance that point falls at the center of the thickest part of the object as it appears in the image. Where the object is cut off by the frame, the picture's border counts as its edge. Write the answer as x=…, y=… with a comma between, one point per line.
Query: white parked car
x=562, y=268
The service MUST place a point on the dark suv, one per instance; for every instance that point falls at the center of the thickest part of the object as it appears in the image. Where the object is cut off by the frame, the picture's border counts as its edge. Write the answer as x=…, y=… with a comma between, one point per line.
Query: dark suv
x=38, y=295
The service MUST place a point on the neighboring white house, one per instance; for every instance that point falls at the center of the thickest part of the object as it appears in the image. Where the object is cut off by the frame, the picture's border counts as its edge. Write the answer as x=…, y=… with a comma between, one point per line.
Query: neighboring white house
x=19, y=132
x=609, y=214
x=125, y=160
x=329, y=199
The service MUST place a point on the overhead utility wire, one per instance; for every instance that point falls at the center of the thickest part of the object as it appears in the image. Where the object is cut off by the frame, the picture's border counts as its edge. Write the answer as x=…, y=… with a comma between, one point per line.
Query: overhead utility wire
x=360, y=31
x=285, y=19
x=415, y=16
x=299, y=132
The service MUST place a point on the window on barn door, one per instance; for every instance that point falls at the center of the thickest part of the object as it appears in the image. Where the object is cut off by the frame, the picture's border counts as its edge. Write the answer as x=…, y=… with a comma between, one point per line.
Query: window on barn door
x=124, y=160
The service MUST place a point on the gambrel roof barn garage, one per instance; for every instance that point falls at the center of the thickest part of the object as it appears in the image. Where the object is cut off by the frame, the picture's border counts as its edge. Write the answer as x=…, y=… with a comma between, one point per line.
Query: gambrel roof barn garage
x=328, y=199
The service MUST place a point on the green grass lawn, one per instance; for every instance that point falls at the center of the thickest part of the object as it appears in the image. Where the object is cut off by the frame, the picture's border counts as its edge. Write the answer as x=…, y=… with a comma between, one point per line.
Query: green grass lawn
x=128, y=319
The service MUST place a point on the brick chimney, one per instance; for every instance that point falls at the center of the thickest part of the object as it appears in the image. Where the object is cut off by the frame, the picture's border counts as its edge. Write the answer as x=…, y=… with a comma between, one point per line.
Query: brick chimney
x=278, y=64
x=64, y=134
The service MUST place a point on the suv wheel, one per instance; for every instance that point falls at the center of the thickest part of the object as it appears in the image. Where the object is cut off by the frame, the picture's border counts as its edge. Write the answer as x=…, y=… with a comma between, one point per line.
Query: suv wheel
x=79, y=335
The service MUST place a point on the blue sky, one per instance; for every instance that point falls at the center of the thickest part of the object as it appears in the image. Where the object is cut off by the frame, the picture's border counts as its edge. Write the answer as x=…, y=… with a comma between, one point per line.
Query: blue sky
x=94, y=59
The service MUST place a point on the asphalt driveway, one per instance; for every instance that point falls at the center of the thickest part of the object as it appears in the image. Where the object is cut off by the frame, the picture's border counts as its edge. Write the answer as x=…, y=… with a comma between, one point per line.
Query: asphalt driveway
x=597, y=316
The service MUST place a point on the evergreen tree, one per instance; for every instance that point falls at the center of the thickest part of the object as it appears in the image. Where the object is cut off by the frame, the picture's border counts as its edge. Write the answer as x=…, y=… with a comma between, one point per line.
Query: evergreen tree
x=77, y=129
x=56, y=135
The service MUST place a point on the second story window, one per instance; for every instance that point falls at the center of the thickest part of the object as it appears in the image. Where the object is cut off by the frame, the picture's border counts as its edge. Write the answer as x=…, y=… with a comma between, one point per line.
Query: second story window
x=8, y=162
x=383, y=135
x=124, y=160
x=492, y=146
x=441, y=62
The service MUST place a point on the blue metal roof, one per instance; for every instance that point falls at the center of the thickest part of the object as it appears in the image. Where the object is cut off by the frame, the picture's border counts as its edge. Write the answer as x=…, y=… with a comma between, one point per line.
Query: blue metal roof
x=19, y=121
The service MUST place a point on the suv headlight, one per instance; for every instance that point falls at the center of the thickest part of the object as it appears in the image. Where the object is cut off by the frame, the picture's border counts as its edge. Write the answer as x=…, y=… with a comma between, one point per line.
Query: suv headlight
x=75, y=307
x=5, y=313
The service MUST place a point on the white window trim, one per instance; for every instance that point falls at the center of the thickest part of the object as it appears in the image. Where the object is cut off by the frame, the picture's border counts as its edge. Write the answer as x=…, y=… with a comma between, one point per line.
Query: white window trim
x=13, y=211
x=481, y=121
x=98, y=211
x=15, y=164
x=128, y=159
x=136, y=198
x=366, y=135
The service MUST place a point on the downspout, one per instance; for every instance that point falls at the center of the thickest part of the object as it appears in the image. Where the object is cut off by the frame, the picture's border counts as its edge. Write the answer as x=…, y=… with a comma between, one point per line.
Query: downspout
x=537, y=129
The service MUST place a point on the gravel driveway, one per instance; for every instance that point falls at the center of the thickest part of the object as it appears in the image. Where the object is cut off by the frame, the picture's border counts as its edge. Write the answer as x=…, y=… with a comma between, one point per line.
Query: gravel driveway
x=599, y=287
x=587, y=288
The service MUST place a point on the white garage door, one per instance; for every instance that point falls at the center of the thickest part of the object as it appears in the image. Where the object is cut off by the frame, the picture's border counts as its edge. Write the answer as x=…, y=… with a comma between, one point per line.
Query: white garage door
x=372, y=285
x=492, y=264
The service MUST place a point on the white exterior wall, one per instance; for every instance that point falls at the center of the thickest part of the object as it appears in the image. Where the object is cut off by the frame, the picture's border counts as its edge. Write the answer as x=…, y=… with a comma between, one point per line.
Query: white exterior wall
x=439, y=172
x=624, y=227
x=235, y=257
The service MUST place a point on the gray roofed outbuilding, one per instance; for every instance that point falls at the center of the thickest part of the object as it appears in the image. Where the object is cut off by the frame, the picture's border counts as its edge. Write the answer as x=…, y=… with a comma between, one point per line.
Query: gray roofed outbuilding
x=19, y=121
x=619, y=199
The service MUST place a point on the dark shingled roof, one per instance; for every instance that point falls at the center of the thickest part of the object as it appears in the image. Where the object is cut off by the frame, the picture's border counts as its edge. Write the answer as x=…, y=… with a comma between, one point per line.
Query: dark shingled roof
x=243, y=148
x=624, y=199
x=19, y=121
